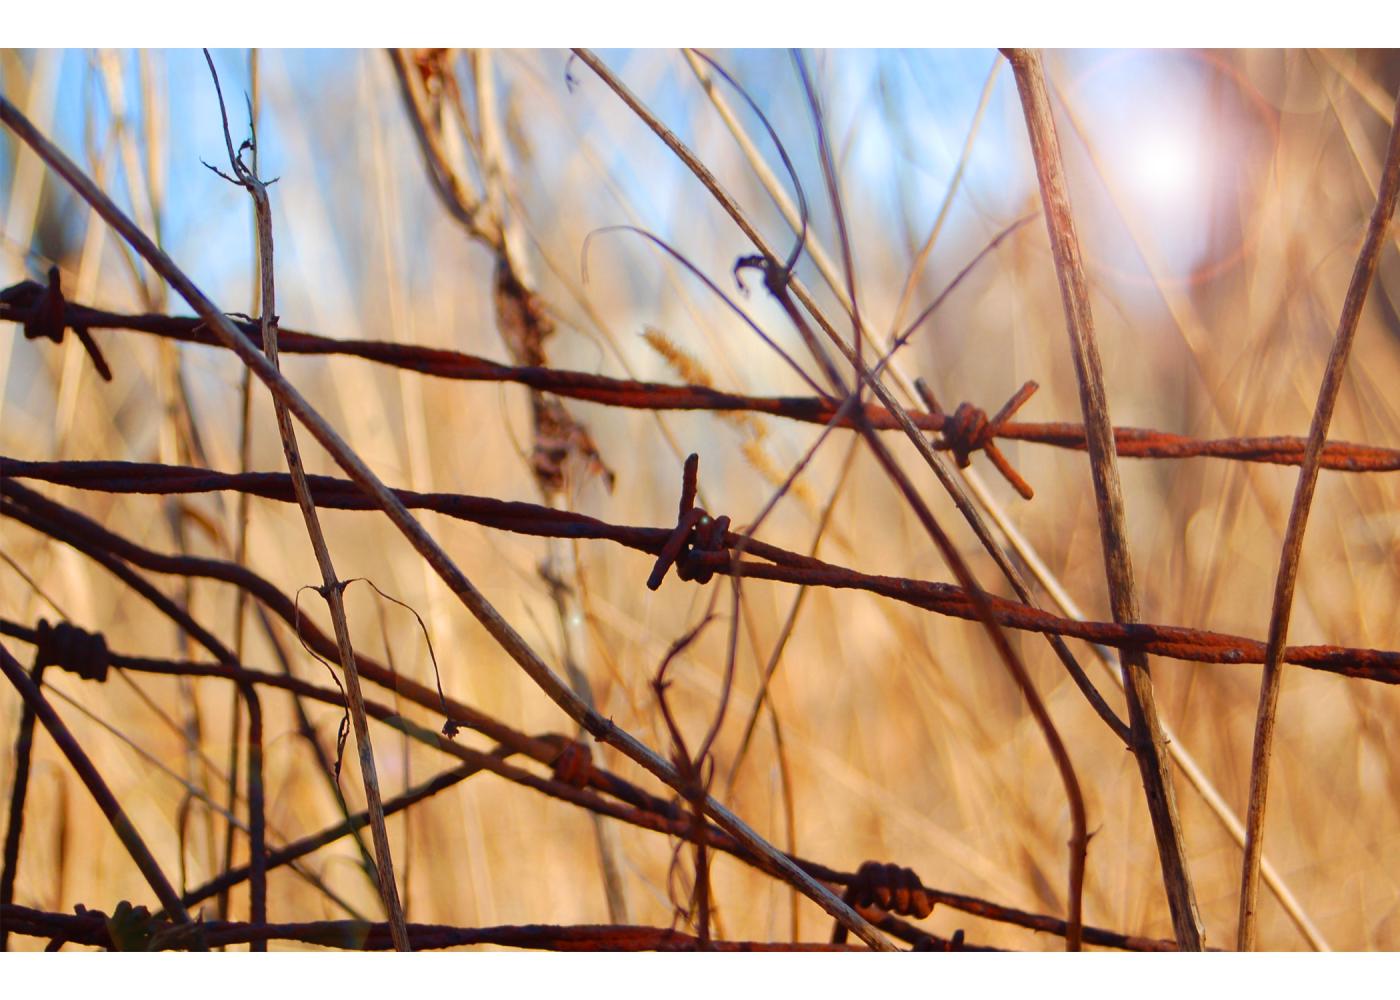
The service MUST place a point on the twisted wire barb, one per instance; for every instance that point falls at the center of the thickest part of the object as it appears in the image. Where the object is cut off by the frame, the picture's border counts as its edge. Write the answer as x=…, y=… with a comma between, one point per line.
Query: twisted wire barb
x=1177, y=642
x=1132, y=442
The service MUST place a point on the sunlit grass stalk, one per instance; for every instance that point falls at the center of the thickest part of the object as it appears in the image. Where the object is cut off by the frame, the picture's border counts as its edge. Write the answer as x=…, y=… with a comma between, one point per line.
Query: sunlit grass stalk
x=1148, y=742
x=331, y=589
x=1262, y=755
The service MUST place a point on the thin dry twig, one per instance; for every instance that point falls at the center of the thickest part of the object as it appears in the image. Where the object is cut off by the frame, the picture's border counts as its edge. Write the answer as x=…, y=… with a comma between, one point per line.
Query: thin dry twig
x=195, y=792
x=92, y=778
x=332, y=589
x=524, y=326
x=240, y=545
x=783, y=285
x=1148, y=639
x=47, y=517
x=1147, y=741
x=19, y=788
x=462, y=204
x=1079, y=838
x=1262, y=754
x=902, y=418
x=523, y=323
x=1185, y=760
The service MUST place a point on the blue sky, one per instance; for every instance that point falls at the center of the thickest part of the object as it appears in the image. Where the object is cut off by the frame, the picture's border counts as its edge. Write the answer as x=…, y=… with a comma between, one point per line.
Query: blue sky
x=898, y=118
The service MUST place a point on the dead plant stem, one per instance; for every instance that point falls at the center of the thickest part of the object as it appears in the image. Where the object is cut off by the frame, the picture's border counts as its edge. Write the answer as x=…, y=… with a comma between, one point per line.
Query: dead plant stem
x=1148, y=743
x=331, y=587
x=901, y=416
x=92, y=778
x=1262, y=754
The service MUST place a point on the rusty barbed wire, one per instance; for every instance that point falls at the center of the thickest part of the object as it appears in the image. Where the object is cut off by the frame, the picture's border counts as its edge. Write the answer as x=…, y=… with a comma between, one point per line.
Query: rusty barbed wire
x=889, y=887
x=1177, y=642
x=70, y=648
x=644, y=810
x=17, y=303
x=695, y=532
x=632, y=805
x=43, y=313
x=136, y=930
x=82, y=533
x=641, y=808
x=968, y=429
x=698, y=546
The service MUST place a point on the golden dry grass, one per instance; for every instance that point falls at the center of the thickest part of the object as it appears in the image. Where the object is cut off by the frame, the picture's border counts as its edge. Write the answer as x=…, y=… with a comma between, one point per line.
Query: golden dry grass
x=906, y=740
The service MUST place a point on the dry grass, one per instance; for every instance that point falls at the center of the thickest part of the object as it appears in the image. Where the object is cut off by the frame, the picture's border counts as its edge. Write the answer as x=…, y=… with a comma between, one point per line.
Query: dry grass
x=903, y=738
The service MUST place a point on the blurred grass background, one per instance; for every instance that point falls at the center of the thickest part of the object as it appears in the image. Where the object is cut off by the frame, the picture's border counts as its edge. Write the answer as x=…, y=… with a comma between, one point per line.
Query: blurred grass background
x=1221, y=197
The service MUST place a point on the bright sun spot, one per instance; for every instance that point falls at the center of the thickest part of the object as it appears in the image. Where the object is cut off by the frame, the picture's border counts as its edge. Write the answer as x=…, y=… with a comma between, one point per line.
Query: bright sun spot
x=1166, y=167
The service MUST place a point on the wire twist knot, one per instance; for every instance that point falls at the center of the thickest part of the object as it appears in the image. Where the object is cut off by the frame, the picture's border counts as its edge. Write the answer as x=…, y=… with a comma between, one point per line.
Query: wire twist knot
x=968, y=429
x=887, y=887
x=44, y=315
x=73, y=649
x=696, y=533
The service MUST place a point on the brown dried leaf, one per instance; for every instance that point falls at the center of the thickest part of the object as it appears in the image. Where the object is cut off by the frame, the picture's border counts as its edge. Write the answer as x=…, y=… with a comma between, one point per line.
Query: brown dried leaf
x=524, y=326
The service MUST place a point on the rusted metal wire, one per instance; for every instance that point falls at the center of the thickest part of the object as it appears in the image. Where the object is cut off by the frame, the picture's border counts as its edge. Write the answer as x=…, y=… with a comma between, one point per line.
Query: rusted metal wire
x=73, y=649
x=662, y=815
x=646, y=810
x=354, y=822
x=74, y=529
x=92, y=928
x=968, y=429
x=92, y=778
x=698, y=545
x=893, y=889
x=1195, y=645
x=45, y=315
x=695, y=532
x=633, y=806
x=70, y=648
x=574, y=765
x=17, y=303
x=41, y=519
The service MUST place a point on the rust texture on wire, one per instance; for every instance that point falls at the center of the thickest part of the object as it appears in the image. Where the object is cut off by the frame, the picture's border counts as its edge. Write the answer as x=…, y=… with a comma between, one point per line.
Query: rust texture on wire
x=696, y=532
x=638, y=807
x=1196, y=645
x=968, y=429
x=43, y=313
x=94, y=928
x=889, y=887
x=17, y=305
x=97, y=787
x=73, y=649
